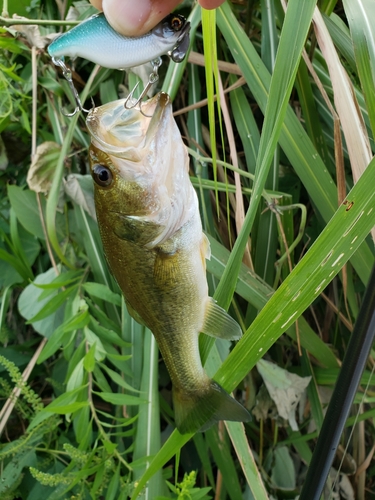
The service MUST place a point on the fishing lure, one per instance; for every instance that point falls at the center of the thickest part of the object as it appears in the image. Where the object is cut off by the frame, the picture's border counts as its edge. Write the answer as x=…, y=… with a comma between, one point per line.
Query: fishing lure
x=95, y=40
x=151, y=230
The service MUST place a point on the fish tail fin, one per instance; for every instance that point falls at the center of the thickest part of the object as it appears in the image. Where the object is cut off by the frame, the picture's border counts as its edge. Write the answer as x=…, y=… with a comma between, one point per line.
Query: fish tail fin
x=198, y=410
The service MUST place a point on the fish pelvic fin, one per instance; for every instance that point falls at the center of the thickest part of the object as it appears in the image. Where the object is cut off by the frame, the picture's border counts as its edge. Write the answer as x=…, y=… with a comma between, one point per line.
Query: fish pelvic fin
x=199, y=410
x=218, y=323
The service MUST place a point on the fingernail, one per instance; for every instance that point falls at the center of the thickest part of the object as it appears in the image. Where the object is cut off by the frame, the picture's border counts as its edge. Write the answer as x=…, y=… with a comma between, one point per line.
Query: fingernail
x=128, y=17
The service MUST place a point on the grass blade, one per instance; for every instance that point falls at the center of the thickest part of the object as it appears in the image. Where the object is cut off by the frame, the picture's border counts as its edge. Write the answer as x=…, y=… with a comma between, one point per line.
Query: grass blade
x=335, y=245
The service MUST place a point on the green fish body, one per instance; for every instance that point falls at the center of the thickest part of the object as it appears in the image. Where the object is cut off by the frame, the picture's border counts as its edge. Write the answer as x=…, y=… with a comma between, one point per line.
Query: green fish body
x=152, y=236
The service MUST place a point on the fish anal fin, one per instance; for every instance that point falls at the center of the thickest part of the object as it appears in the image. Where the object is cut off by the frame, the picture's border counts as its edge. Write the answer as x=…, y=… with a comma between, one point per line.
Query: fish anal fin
x=218, y=323
x=198, y=410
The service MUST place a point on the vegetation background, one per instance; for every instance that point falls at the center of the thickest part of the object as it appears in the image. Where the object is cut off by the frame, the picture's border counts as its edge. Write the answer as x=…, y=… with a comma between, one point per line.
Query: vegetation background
x=284, y=172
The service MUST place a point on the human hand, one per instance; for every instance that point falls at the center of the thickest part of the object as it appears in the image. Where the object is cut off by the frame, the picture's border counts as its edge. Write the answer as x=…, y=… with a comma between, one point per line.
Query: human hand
x=136, y=17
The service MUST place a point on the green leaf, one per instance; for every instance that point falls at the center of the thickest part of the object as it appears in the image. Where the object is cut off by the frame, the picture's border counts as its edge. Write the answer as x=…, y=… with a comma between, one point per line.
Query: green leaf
x=89, y=359
x=29, y=305
x=336, y=244
x=6, y=106
x=148, y=439
x=80, y=320
x=102, y=292
x=113, y=484
x=120, y=399
x=360, y=14
x=283, y=470
x=24, y=203
x=11, y=472
x=52, y=305
x=115, y=377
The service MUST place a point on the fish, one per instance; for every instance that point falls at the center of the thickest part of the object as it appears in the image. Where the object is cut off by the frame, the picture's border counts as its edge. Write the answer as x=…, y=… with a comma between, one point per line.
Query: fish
x=94, y=39
x=151, y=230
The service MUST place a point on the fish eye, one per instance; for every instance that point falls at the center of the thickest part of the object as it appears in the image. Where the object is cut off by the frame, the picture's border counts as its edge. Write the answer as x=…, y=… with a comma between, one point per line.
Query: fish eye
x=176, y=23
x=102, y=175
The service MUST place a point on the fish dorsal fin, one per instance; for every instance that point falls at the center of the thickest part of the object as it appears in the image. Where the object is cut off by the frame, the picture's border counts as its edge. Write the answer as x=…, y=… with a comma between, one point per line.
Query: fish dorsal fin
x=218, y=323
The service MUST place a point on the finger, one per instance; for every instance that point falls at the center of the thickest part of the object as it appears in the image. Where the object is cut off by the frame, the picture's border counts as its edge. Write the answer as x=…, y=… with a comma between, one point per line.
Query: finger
x=136, y=17
x=97, y=4
x=211, y=4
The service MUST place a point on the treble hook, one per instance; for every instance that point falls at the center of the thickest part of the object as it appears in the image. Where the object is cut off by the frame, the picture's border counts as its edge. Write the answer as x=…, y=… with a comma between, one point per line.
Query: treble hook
x=68, y=76
x=152, y=79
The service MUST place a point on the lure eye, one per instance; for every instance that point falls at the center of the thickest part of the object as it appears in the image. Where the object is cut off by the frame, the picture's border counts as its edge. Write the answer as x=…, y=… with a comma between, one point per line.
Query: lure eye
x=102, y=175
x=176, y=23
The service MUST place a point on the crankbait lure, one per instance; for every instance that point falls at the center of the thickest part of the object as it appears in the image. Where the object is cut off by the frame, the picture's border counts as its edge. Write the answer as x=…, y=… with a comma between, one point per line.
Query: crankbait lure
x=95, y=40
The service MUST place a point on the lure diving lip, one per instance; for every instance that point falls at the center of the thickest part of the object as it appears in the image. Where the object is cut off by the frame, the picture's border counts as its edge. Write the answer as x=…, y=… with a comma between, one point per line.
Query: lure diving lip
x=95, y=40
x=149, y=221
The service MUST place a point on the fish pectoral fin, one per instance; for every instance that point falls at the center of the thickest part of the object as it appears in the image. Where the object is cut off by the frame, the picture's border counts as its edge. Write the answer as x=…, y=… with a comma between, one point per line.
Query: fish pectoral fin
x=205, y=249
x=166, y=268
x=136, y=229
x=218, y=323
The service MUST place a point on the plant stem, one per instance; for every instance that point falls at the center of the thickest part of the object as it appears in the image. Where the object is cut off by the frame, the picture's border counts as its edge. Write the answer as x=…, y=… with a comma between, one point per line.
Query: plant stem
x=9, y=21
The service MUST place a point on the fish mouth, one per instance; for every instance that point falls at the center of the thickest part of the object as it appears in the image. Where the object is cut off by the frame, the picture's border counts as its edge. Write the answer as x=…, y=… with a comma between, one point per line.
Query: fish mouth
x=184, y=32
x=182, y=46
x=128, y=133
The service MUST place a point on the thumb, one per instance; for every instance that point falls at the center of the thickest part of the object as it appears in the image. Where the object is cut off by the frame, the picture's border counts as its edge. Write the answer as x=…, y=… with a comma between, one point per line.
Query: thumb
x=136, y=17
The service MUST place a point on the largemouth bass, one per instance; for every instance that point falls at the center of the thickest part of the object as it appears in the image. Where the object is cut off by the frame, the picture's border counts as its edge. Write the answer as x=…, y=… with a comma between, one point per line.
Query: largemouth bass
x=150, y=226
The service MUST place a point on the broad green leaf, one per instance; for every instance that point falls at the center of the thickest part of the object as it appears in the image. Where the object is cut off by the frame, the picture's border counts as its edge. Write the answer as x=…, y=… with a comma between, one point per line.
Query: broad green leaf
x=114, y=483
x=25, y=205
x=115, y=377
x=293, y=139
x=120, y=399
x=167, y=451
x=89, y=359
x=292, y=39
x=80, y=320
x=52, y=305
x=148, y=440
x=6, y=106
x=257, y=293
x=76, y=379
x=241, y=445
x=283, y=470
x=11, y=472
x=64, y=404
x=336, y=244
x=29, y=305
x=53, y=196
x=106, y=334
x=102, y=292
x=222, y=455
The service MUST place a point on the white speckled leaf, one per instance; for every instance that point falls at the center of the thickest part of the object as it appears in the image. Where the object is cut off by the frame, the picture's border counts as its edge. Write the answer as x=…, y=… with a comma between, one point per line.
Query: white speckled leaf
x=285, y=389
